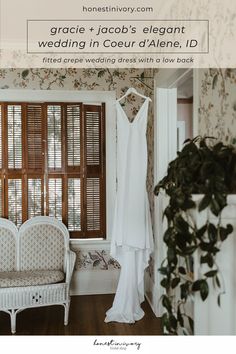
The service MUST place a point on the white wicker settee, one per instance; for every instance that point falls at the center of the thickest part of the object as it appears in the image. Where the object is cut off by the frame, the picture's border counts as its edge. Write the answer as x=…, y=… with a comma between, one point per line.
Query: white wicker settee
x=36, y=266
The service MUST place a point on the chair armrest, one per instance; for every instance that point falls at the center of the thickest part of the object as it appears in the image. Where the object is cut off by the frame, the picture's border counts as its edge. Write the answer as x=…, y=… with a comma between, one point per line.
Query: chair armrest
x=70, y=263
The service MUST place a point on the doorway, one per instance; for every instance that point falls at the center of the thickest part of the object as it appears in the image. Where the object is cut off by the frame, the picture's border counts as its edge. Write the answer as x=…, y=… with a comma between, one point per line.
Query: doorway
x=176, y=106
x=184, y=111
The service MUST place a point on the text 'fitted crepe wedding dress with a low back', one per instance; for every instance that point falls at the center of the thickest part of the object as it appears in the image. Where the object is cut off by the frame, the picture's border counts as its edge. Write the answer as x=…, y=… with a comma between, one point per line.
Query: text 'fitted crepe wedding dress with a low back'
x=132, y=238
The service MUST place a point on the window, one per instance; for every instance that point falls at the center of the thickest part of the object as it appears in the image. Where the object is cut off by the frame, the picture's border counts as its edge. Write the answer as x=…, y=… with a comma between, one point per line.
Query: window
x=52, y=162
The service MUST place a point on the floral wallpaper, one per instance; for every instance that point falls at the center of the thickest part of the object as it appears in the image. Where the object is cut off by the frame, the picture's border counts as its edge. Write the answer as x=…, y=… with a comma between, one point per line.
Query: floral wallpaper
x=93, y=79
x=217, y=104
x=77, y=79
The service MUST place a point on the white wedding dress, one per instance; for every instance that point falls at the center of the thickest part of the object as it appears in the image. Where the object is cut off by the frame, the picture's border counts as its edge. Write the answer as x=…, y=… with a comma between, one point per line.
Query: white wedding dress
x=132, y=238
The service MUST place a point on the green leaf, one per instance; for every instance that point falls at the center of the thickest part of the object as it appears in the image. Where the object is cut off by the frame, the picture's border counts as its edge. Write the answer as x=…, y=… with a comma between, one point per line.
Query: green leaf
x=218, y=146
x=190, y=250
x=204, y=290
x=207, y=259
x=184, y=289
x=175, y=282
x=24, y=74
x=163, y=270
x=217, y=281
x=181, y=225
x=165, y=321
x=209, y=247
x=182, y=270
x=211, y=273
x=188, y=204
x=200, y=232
x=166, y=303
x=196, y=285
x=205, y=246
x=168, y=213
x=171, y=256
x=180, y=317
x=225, y=232
x=164, y=283
x=204, y=202
x=191, y=323
x=214, y=250
x=168, y=234
x=173, y=322
x=221, y=198
x=229, y=228
x=202, y=286
x=215, y=207
x=212, y=232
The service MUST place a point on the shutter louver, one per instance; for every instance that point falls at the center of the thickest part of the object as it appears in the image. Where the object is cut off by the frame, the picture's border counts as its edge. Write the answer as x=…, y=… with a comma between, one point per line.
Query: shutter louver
x=55, y=197
x=14, y=123
x=74, y=204
x=73, y=135
x=34, y=137
x=94, y=192
x=15, y=201
x=34, y=197
x=93, y=204
x=54, y=136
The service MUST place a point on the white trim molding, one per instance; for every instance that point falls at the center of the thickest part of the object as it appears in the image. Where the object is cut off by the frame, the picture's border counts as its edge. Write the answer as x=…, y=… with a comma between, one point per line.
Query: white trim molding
x=165, y=150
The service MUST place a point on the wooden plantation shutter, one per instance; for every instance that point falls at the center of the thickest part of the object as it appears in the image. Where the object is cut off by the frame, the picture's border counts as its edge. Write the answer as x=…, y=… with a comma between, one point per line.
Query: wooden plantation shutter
x=34, y=138
x=74, y=166
x=54, y=172
x=34, y=156
x=54, y=127
x=74, y=125
x=14, y=133
x=35, y=197
x=74, y=205
x=94, y=183
x=52, y=162
x=13, y=163
x=15, y=200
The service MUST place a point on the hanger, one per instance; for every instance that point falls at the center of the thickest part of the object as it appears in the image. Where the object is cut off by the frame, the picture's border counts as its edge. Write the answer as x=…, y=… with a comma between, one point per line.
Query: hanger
x=133, y=90
x=141, y=79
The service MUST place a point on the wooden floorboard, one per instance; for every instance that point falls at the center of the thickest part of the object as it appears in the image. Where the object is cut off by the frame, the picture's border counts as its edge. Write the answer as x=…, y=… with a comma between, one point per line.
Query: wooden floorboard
x=87, y=315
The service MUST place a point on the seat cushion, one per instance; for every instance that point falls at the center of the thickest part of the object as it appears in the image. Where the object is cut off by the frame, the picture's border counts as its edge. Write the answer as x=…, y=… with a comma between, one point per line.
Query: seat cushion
x=27, y=278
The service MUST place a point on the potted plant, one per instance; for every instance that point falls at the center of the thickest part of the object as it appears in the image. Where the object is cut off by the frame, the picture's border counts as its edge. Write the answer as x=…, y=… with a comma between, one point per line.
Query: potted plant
x=207, y=168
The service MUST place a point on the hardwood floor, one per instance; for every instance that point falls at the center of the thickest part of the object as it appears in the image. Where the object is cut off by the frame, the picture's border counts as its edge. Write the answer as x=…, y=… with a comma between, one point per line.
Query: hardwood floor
x=87, y=315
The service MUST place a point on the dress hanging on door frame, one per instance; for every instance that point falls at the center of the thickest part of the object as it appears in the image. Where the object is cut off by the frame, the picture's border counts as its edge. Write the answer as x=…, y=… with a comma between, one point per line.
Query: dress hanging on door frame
x=132, y=238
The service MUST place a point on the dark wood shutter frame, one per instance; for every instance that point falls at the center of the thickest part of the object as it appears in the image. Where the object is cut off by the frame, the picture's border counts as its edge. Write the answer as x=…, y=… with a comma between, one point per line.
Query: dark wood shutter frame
x=94, y=189
x=52, y=161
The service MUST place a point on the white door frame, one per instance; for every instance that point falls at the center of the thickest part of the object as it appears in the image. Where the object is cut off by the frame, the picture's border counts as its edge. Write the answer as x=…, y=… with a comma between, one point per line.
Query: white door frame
x=165, y=143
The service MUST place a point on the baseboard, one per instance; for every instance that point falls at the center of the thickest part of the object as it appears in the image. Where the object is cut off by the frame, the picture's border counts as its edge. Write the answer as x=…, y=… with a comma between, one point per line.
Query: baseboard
x=92, y=282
